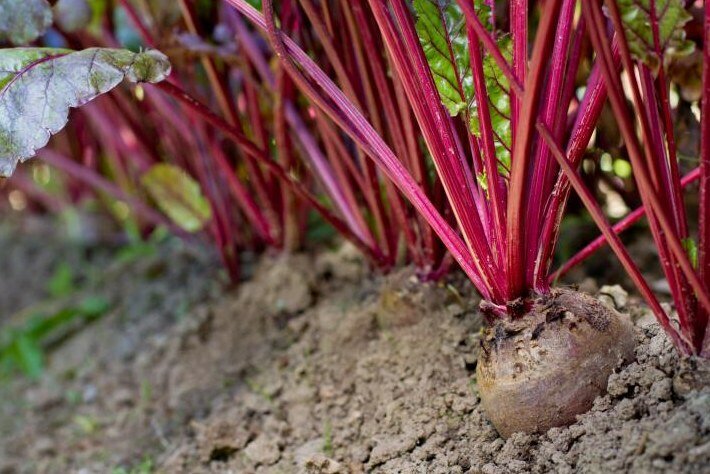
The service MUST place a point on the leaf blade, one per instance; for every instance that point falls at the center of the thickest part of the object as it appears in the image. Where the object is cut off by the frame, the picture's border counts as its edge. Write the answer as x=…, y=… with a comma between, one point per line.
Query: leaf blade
x=441, y=29
x=178, y=196
x=442, y=33
x=498, y=96
x=39, y=86
x=671, y=17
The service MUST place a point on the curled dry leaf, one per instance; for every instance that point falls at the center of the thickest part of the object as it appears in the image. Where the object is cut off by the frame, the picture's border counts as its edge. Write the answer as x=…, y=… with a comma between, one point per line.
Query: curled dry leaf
x=687, y=73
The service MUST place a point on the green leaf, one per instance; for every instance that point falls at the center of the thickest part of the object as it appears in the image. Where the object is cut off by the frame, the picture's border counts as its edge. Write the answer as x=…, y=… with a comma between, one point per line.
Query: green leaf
x=482, y=179
x=22, y=348
x=441, y=29
x=691, y=248
x=93, y=307
x=671, y=17
x=98, y=9
x=39, y=85
x=442, y=33
x=28, y=356
x=622, y=168
x=23, y=21
x=178, y=195
x=498, y=89
x=62, y=281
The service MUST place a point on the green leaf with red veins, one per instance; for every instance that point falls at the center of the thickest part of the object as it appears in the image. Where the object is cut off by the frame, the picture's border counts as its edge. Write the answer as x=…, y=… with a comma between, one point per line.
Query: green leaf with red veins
x=23, y=21
x=38, y=86
x=442, y=33
x=498, y=89
x=671, y=17
x=441, y=28
x=178, y=196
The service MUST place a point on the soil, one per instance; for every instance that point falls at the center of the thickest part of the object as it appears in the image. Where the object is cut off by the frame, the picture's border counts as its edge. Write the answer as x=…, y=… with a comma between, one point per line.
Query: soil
x=26, y=252
x=313, y=365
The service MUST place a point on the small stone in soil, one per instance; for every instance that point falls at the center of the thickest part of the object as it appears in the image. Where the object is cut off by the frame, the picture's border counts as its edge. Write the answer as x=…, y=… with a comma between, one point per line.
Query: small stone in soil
x=263, y=451
x=614, y=295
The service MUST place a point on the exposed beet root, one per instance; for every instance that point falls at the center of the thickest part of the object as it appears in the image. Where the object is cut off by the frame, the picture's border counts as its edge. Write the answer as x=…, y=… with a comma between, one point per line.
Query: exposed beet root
x=544, y=369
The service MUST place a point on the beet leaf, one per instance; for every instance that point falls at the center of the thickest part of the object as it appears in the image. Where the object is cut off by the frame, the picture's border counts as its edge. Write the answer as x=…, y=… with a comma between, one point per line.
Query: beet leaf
x=669, y=40
x=442, y=32
x=178, y=195
x=38, y=86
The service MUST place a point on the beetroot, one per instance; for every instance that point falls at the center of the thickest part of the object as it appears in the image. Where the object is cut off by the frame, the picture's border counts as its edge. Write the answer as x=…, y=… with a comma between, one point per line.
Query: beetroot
x=544, y=369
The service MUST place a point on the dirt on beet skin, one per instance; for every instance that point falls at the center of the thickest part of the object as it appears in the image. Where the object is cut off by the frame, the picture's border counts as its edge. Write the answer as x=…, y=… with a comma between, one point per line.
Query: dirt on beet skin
x=312, y=365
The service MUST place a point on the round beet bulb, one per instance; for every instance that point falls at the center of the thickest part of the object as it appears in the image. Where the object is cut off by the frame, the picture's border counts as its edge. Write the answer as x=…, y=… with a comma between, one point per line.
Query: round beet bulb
x=545, y=368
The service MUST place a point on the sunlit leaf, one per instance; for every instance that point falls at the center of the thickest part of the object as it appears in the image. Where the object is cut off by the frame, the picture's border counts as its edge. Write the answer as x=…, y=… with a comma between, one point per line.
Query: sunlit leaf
x=178, y=195
x=622, y=168
x=442, y=33
x=482, y=179
x=671, y=17
x=23, y=21
x=498, y=89
x=38, y=86
x=441, y=29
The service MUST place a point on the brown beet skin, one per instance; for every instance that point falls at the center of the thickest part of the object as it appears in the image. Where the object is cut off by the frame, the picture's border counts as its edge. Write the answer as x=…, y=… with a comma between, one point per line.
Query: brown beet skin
x=545, y=368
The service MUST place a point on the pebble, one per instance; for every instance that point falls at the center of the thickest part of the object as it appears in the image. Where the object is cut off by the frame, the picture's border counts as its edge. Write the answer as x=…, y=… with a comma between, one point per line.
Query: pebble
x=614, y=295
x=263, y=451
